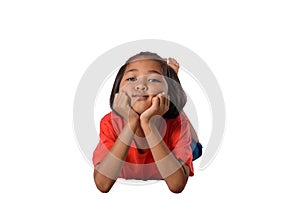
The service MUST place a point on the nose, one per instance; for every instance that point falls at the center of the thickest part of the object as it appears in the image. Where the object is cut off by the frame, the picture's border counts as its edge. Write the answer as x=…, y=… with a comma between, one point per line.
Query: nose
x=141, y=84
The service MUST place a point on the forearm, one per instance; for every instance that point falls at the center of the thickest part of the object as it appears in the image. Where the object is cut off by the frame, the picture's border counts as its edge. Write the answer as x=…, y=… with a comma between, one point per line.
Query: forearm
x=172, y=170
x=108, y=170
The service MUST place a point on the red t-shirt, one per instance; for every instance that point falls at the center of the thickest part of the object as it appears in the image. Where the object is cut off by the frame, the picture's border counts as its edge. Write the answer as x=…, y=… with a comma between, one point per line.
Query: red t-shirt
x=176, y=135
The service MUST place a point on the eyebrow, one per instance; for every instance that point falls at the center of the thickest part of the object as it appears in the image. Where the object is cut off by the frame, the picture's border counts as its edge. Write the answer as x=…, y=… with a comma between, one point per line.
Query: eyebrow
x=150, y=71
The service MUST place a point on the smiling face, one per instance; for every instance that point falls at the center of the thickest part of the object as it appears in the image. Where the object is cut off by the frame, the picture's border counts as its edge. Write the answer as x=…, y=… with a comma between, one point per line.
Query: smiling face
x=142, y=80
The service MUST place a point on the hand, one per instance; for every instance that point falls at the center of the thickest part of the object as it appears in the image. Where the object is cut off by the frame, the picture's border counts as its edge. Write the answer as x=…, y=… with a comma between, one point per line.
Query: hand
x=122, y=107
x=173, y=64
x=160, y=105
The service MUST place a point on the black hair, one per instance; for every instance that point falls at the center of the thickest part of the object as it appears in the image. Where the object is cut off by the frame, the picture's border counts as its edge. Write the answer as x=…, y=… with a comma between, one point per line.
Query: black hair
x=175, y=91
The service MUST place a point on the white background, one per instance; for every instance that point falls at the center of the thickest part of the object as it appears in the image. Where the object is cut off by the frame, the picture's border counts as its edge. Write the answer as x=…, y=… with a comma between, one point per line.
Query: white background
x=253, y=49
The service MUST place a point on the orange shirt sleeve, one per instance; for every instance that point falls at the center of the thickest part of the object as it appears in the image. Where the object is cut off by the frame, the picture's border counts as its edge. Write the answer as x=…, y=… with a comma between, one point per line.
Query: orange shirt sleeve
x=107, y=138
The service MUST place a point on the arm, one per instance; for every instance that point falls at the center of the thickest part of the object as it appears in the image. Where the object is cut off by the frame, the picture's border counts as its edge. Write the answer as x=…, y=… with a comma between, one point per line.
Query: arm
x=107, y=171
x=172, y=170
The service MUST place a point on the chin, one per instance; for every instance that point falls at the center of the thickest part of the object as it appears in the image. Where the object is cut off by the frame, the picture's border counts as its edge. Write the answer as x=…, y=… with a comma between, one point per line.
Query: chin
x=140, y=106
x=140, y=110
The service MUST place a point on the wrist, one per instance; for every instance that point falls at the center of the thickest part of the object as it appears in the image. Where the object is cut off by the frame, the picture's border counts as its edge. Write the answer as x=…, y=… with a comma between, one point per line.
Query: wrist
x=133, y=123
x=144, y=120
x=153, y=137
x=146, y=126
x=154, y=121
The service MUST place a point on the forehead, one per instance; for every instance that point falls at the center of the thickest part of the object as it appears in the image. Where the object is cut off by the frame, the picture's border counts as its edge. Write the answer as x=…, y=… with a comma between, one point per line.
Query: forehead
x=142, y=64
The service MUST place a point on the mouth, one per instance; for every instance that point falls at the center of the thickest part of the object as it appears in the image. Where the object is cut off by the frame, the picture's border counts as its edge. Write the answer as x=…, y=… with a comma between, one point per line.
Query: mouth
x=140, y=96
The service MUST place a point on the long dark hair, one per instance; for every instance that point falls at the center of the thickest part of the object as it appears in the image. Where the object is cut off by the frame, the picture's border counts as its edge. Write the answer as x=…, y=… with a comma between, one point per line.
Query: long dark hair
x=175, y=91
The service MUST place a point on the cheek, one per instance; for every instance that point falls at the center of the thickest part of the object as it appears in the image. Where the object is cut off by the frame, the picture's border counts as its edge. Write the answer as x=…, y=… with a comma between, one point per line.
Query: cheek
x=165, y=88
x=159, y=88
x=125, y=87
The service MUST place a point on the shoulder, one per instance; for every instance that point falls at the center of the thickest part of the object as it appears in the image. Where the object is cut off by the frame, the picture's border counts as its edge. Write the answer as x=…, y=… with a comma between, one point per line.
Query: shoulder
x=107, y=117
x=112, y=122
x=111, y=116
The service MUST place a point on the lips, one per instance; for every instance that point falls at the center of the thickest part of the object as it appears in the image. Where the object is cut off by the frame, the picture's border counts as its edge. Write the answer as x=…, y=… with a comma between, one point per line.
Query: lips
x=140, y=96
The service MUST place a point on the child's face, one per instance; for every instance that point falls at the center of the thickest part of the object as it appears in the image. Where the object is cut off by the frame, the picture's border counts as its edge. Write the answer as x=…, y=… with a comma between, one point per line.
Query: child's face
x=142, y=80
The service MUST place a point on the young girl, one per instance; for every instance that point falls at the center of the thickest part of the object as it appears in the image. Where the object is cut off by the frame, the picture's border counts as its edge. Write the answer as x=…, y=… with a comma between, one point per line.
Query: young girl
x=146, y=136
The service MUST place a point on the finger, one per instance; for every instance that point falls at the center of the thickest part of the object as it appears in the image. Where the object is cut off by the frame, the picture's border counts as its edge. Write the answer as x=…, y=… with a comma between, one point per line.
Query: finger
x=155, y=101
x=119, y=99
x=162, y=100
x=123, y=92
x=116, y=98
x=124, y=98
x=167, y=103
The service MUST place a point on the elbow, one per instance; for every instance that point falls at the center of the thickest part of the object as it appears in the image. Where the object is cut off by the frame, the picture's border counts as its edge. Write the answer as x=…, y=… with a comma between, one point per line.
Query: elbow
x=103, y=188
x=176, y=188
x=103, y=183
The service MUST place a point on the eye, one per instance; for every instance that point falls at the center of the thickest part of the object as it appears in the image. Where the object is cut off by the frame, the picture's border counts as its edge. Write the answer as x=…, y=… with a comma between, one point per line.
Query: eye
x=131, y=79
x=154, y=80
